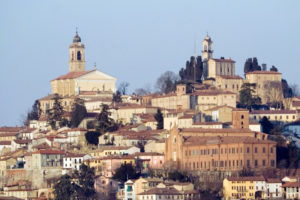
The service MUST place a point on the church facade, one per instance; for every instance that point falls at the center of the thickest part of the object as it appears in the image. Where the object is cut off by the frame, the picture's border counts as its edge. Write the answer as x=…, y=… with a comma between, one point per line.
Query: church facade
x=215, y=67
x=79, y=82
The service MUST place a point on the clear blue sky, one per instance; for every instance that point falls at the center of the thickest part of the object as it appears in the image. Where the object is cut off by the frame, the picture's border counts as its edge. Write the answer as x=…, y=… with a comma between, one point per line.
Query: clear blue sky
x=136, y=41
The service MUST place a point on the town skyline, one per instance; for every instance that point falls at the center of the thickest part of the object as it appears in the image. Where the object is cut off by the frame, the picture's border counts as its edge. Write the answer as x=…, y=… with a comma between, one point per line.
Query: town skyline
x=136, y=44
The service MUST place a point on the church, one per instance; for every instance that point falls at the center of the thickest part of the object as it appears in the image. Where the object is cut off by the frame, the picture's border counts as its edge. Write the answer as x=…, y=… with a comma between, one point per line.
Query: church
x=79, y=82
x=213, y=67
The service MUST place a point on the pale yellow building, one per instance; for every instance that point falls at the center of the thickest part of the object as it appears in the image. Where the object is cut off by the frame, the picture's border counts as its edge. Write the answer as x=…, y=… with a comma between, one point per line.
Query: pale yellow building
x=240, y=187
x=229, y=83
x=78, y=79
x=275, y=115
x=215, y=67
x=267, y=85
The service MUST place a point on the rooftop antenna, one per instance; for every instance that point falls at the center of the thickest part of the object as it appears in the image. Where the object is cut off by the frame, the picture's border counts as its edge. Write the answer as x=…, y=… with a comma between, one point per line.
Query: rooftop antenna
x=195, y=48
x=76, y=30
x=95, y=65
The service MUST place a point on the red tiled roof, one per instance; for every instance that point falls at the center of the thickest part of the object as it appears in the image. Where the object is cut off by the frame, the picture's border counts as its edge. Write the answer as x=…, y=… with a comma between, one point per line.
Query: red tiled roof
x=263, y=72
x=5, y=142
x=247, y=178
x=211, y=93
x=296, y=103
x=291, y=184
x=229, y=77
x=48, y=151
x=72, y=75
x=273, y=112
x=223, y=60
x=10, y=129
x=161, y=191
x=200, y=140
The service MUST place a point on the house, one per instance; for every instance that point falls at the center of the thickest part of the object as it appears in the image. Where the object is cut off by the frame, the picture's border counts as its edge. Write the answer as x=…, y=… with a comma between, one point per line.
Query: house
x=74, y=160
x=291, y=190
x=47, y=158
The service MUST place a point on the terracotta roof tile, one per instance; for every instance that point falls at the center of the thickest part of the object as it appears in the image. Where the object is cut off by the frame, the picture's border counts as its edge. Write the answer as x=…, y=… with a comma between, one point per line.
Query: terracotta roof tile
x=274, y=112
x=263, y=72
x=72, y=75
x=229, y=77
x=247, y=178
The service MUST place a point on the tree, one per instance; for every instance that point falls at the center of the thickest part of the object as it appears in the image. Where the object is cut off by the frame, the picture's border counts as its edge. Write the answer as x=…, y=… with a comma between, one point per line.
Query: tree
x=266, y=125
x=125, y=172
x=274, y=69
x=92, y=137
x=247, y=99
x=160, y=119
x=274, y=94
x=193, y=70
x=78, y=112
x=63, y=188
x=251, y=65
x=35, y=112
x=123, y=88
x=86, y=177
x=105, y=123
x=117, y=97
x=166, y=83
x=55, y=114
x=177, y=176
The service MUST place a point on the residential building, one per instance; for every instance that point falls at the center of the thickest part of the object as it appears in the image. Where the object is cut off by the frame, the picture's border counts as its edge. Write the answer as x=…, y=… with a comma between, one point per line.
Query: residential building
x=267, y=85
x=47, y=158
x=73, y=161
x=219, y=149
x=275, y=115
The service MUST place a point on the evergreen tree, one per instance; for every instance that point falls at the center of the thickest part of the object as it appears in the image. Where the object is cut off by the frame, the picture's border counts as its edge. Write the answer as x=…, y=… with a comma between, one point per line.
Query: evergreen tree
x=248, y=66
x=86, y=178
x=55, y=114
x=64, y=189
x=247, y=99
x=105, y=123
x=92, y=137
x=35, y=112
x=274, y=69
x=160, y=119
x=78, y=112
x=266, y=125
x=117, y=97
x=125, y=172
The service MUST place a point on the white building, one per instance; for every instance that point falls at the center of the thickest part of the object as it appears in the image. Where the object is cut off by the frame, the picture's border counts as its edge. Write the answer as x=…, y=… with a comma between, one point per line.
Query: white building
x=73, y=161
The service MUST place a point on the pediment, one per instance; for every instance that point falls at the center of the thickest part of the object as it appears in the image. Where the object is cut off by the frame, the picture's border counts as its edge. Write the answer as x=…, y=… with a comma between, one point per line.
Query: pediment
x=96, y=75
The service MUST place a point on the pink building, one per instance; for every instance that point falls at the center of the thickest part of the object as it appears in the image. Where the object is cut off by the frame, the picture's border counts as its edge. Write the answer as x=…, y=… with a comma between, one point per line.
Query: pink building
x=150, y=160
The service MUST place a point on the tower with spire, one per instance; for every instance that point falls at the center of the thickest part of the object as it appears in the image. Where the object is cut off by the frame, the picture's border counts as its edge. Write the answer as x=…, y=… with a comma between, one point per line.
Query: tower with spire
x=76, y=55
x=207, y=48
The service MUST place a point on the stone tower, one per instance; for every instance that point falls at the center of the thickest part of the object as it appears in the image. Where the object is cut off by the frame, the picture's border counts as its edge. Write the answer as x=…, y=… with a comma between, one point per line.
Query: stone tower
x=207, y=48
x=76, y=55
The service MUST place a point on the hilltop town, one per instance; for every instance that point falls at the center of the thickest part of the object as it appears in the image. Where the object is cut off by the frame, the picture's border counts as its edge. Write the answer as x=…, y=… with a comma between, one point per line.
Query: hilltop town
x=208, y=133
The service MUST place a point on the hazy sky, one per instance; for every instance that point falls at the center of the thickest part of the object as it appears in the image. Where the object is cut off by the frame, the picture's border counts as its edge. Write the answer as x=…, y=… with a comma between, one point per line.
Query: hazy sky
x=136, y=41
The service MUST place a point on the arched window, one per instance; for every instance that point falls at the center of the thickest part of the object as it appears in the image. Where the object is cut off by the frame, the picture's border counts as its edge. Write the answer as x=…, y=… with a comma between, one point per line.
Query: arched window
x=78, y=55
x=242, y=116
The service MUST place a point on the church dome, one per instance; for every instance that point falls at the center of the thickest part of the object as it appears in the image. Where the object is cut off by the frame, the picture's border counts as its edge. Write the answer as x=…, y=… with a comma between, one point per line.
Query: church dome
x=76, y=38
x=207, y=38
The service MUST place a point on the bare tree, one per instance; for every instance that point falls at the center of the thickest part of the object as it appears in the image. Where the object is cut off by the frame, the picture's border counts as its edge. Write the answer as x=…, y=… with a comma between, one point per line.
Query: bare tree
x=123, y=87
x=295, y=89
x=166, y=83
x=274, y=94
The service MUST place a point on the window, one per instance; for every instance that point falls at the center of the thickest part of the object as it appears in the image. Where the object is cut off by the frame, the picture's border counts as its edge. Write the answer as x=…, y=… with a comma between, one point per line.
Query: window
x=271, y=149
x=264, y=162
x=273, y=163
x=255, y=163
x=264, y=150
x=242, y=117
x=78, y=55
x=248, y=163
x=255, y=150
x=248, y=150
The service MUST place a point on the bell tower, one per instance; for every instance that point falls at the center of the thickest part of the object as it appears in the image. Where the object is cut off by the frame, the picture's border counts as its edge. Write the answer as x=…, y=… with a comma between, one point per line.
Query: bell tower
x=76, y=55
x=207, y=48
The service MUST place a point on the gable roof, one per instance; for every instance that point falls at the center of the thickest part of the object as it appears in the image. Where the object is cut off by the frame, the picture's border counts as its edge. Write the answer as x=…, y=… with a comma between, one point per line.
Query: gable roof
x=72, y=75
